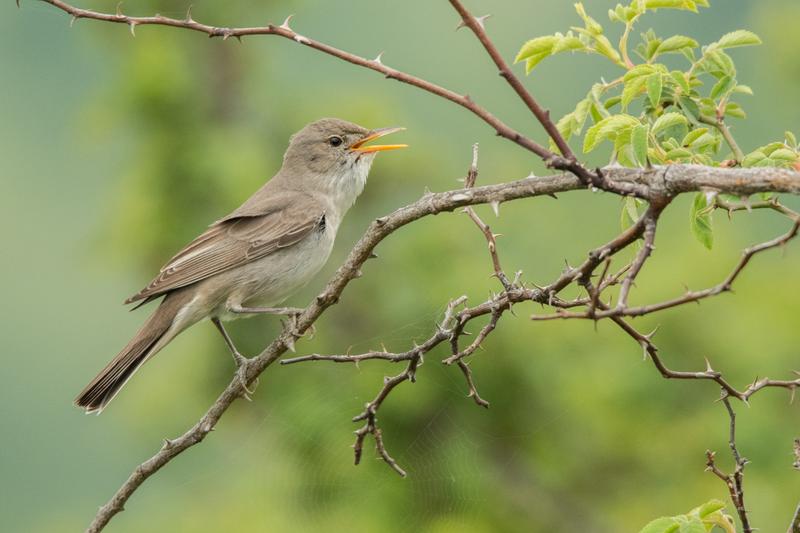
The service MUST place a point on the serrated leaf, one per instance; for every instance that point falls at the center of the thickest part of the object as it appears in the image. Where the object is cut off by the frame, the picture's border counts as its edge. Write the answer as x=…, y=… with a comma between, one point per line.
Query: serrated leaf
x=692, y=525
x=535, y=47
x=707, y=508
x=665, y=524
x=734, y=110
x=690, y=107
x=723, y=86
x=676, y=43
x=693, y=135
x=680, y=79
x=667, y=120
x=639, y=137
x=607, y=129
x=654, y=87
x=532, y=61
x=604, y=47
x=784, y=154
x=752, y=159
x=701, y=222
x=738, y=38
x=632, y=89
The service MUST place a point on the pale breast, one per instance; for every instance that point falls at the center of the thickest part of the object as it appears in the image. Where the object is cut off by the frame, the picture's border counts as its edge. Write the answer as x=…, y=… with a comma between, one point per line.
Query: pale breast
x=269, y=280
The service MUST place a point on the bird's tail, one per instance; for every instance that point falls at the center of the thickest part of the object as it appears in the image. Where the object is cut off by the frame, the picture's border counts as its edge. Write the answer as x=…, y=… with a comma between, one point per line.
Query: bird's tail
x=156, y=332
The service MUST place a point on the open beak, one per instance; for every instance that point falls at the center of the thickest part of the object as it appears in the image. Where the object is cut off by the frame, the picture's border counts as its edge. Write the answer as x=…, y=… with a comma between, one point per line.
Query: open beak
x=375, y=134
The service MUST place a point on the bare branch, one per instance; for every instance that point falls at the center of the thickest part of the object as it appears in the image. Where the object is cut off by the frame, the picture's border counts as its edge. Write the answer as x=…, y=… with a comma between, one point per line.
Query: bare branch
x=735, y=481
x=476, y=25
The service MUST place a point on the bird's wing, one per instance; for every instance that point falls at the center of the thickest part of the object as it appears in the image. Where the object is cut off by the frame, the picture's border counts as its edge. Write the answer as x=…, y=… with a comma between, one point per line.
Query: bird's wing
x=233, y=242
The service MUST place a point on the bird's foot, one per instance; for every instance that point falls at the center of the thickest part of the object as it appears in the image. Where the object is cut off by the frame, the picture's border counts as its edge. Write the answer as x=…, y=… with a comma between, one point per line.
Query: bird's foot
x=243, y=364
x=290, y=326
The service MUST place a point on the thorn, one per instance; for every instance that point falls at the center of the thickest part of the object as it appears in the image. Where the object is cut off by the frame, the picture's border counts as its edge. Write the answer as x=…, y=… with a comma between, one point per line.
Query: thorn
x=72, y=20
x=708, y=366
x=650, y=335
x=372, y=255
x=495, y=207
x=119, y=9
x=189, y=14
x=300, y=39
x=17, y=4
x=286, y=22
x=378, y=59
x=482, y=21
x=290, y=344
x=133, y=28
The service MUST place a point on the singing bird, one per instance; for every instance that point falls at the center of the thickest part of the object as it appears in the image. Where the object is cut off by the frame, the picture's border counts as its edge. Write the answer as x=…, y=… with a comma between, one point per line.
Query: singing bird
x=254, y=258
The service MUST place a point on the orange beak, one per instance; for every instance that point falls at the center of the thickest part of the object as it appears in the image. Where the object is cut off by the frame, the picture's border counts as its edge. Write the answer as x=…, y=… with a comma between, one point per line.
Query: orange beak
x=375, y=134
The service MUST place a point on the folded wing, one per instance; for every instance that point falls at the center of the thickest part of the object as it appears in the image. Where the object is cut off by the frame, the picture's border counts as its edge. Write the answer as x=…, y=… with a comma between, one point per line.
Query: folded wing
x=235, y=241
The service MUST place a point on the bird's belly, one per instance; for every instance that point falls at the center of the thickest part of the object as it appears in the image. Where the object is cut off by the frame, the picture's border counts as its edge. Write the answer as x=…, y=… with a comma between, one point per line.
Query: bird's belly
x=268, y=281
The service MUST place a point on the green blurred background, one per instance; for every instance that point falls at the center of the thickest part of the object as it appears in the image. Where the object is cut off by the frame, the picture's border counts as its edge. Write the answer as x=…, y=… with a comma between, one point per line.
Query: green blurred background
x=116, y=151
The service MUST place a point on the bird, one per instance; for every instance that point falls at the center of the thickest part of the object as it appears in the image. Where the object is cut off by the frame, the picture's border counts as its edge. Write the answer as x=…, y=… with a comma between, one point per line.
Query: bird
x=253, y=259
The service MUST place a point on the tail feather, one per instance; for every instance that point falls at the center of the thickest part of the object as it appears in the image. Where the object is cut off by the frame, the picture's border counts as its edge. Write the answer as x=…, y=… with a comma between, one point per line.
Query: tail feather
x=105, y=386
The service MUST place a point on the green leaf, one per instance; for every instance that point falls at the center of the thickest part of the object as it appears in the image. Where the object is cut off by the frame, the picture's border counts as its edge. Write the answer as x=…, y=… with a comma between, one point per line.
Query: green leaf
x=784, y=154
x=592, y=26
x=738, y=38
x=690, y=106
x=707, y=508
x=532, y=61
x=608, y=129
x=639, y=136
x=701, y=222
x=654, y=87
x=753, y=159
x=692, y=525
x=680, y=79
x=604, y=47
x=632, y=89
x=665, y=524
x=734, y=110
x=791, y=140
x=693, y=135
x=723, y=87
x=676, y=43
x=667, y=120
x=538, y=46
x=630, y=212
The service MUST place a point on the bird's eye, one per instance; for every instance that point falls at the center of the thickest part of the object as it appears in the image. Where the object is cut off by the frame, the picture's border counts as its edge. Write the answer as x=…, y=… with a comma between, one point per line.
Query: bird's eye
x=335, y=140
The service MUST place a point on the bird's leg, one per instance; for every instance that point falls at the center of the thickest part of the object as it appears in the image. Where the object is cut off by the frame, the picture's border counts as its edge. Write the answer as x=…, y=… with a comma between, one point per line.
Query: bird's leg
x=242, y=362
x=288, y=311
x=291, y=312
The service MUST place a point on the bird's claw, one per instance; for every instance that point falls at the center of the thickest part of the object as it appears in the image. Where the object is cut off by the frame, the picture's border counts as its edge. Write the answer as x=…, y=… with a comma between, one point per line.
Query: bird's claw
x=243, y=363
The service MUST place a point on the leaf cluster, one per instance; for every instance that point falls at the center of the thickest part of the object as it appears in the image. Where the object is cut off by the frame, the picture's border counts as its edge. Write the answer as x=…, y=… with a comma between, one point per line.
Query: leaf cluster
x=669, y=103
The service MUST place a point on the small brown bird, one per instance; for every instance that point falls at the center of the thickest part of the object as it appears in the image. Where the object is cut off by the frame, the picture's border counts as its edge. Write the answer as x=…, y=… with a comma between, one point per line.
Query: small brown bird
x=258, y=255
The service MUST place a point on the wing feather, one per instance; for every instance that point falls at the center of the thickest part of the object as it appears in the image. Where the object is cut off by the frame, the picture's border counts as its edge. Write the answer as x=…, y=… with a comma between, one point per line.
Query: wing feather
x=233, y=242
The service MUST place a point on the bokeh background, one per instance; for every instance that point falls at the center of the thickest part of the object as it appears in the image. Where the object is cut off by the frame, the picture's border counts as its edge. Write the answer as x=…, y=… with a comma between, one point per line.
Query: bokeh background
x=116, y=151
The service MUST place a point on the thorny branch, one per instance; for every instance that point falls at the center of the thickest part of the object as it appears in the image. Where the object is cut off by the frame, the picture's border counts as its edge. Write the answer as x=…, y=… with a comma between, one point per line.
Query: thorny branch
x=735, y=481
x=657, y=186
x=794, y=527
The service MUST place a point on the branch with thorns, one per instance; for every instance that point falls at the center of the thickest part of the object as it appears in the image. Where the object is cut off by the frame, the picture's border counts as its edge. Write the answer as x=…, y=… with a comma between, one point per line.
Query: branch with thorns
x=657, y=186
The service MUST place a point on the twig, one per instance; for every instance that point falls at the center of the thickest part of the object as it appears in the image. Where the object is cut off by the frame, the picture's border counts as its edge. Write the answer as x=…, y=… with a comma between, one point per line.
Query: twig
x=285, y=31
x=794, y=527
x=735, y=481
x=476, y=25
